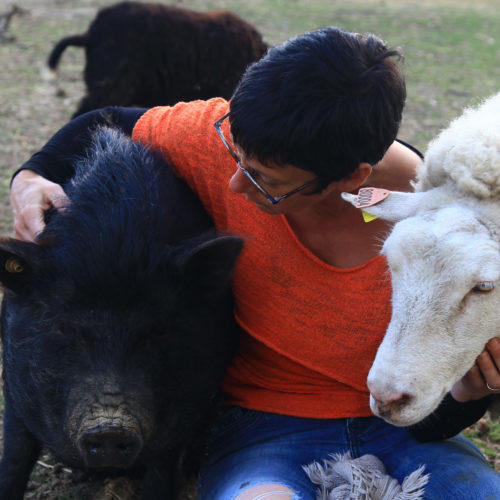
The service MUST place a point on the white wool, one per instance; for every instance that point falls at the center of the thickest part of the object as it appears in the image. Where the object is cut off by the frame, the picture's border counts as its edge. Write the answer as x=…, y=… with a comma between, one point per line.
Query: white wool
x=362, y=478
x=467, y=153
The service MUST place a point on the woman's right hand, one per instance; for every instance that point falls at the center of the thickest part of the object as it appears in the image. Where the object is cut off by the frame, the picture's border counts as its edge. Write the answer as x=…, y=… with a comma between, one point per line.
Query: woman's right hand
x=30, y=196
x=483, y=379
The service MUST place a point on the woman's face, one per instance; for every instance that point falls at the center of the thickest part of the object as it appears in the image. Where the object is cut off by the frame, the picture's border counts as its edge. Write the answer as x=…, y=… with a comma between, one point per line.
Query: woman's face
x=275, y=180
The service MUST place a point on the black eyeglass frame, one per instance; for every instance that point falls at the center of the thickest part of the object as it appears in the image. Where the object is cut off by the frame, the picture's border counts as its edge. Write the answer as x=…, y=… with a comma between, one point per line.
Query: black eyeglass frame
x=270, y=198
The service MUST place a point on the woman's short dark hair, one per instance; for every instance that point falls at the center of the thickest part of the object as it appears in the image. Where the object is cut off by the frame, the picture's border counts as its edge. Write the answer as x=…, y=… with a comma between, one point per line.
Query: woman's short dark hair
x=324, y=101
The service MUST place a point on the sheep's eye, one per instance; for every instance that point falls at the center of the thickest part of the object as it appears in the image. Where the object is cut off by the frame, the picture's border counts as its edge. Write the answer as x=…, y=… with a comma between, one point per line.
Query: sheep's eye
x=483, y=287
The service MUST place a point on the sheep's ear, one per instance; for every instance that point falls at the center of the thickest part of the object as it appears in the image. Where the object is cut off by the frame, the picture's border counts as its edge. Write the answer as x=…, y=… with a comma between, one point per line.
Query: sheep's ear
x=388, y=205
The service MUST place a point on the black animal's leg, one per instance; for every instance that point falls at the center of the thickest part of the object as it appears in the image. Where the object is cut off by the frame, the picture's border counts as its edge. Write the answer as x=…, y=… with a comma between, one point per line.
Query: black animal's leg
x=20, y=452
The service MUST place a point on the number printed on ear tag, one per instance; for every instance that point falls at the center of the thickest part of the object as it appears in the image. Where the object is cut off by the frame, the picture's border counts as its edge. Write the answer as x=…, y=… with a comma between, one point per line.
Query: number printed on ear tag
x=370, y=196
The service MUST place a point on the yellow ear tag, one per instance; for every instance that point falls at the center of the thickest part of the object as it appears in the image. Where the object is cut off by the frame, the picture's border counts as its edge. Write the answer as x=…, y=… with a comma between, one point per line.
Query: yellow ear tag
x=13, y=265
x=368, y=217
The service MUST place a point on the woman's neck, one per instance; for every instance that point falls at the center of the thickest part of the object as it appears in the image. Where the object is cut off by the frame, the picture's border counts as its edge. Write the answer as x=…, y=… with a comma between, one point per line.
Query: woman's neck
x=337, y=234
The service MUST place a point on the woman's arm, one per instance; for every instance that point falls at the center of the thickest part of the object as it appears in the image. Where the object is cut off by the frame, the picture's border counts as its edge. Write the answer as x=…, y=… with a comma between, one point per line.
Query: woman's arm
x=36, y=185
x=450, y=418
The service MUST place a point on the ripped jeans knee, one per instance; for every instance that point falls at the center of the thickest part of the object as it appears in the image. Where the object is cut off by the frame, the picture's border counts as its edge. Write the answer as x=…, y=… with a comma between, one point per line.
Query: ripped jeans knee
x=268, y=491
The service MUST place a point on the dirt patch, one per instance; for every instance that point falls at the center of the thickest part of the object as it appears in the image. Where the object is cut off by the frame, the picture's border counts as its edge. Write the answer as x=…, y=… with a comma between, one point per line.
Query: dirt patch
x=57, y=482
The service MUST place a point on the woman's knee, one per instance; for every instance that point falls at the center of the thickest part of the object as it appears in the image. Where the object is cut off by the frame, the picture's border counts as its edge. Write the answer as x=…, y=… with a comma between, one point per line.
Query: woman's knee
x=269, y=491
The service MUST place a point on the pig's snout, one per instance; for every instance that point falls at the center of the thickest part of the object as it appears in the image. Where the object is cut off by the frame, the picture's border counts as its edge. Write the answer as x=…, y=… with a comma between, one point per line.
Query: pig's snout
x=109, y=446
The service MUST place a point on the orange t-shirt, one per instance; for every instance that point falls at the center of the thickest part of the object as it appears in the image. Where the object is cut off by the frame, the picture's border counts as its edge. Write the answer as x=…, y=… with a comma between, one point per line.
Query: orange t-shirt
x=311, y=330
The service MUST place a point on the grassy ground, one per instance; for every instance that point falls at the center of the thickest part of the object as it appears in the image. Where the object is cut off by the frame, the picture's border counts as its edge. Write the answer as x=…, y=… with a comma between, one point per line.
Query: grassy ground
x=452, y=60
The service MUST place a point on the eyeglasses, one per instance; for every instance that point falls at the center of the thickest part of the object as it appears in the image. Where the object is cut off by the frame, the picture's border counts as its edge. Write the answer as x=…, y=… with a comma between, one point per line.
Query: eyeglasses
x=269, y=197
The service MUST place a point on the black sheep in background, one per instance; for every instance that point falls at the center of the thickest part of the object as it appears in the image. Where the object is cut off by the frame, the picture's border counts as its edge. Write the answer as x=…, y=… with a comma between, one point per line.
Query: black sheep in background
x=146, y=54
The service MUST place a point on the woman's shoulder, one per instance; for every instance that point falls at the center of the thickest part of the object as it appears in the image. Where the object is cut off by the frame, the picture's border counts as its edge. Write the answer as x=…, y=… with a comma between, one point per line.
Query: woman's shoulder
x=184, y=121
x=398, y=167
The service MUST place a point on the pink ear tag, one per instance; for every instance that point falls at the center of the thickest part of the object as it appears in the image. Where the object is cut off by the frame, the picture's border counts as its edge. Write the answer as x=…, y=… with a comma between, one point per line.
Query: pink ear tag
x=370, y=196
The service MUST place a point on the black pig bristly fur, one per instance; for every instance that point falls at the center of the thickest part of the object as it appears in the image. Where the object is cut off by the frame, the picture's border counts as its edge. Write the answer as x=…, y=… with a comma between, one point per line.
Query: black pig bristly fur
x=122, y=312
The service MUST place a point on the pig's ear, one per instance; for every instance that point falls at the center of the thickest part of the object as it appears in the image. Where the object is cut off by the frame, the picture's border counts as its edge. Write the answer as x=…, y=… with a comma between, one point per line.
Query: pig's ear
x=210, y=264
x=389, y=205
x=18, y=259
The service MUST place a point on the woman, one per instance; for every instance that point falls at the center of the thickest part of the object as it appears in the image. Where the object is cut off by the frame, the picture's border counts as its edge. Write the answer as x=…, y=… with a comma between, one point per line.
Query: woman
x=315, y=117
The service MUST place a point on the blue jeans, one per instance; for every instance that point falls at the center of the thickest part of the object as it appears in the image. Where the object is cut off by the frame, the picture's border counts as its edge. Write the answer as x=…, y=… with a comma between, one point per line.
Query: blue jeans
x=248, y=448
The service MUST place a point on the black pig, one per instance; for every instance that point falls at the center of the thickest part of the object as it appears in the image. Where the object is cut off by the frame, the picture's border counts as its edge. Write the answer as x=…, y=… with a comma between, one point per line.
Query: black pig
x=117, y=325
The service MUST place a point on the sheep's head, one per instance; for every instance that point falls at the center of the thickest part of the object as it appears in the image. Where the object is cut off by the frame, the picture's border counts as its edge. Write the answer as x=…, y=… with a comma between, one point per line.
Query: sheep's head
x=444, y=260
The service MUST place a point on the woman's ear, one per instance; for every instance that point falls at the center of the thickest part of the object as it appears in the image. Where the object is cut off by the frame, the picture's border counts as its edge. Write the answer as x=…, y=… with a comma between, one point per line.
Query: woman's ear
x=354, y=180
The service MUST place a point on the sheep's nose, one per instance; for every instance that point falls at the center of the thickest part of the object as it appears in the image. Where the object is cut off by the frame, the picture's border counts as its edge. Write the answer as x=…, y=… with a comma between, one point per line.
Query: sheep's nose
x=389, y=401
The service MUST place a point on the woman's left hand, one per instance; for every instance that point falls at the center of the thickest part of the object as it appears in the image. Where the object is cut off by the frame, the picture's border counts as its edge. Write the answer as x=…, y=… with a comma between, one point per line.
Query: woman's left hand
x=483, y=379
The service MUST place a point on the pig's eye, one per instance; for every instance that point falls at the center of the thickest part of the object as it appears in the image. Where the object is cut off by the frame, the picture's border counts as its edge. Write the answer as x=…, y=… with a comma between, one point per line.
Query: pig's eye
x=484, y=287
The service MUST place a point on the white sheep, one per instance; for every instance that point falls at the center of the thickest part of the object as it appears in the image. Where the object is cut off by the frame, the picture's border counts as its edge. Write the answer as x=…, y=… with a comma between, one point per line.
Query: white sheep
x=444, y=258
